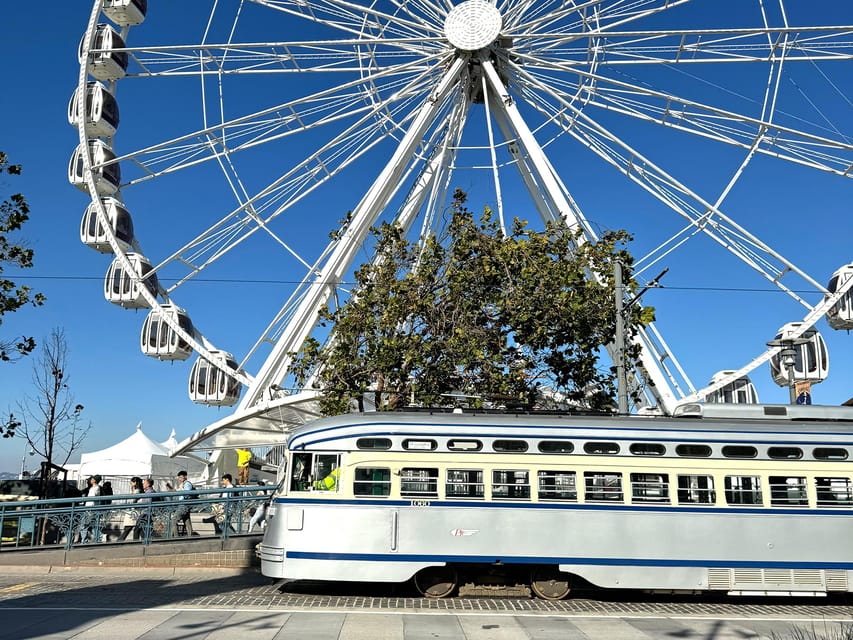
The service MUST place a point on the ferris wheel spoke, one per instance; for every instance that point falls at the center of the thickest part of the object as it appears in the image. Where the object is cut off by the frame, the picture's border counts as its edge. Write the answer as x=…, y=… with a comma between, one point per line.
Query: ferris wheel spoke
x=312, y=172
x=728, y=127
x=278, y=57
x=597, y=17
x=422, y=9
x=316, y=110
x=698, y=212
x=353, y=18
x=690, y=47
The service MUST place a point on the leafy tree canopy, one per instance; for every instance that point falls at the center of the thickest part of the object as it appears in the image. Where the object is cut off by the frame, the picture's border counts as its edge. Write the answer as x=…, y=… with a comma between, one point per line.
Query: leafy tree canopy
x=14, y=212
x=495, y=317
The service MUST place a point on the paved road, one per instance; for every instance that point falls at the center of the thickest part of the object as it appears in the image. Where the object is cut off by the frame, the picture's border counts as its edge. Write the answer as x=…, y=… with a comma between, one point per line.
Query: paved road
x=184, y=604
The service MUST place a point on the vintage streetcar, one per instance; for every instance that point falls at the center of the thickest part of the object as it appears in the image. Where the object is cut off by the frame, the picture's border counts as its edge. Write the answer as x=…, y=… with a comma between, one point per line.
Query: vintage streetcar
x=742, y=499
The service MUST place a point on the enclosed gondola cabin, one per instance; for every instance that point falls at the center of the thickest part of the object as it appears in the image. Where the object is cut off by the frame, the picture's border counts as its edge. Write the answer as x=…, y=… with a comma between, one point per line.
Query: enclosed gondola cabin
x=92, y=231
x=840, y=315
x=124, y=288
x=126, y=13
x=107, y=58
x=811, y=360
x=210, y=385
x=105, y=171
x=101, y=111
x=739, y=391
x=159, y=340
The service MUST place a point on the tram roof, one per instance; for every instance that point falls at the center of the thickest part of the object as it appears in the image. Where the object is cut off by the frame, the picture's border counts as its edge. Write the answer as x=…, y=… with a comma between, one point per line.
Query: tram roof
x=275, y=422
x=757, y=419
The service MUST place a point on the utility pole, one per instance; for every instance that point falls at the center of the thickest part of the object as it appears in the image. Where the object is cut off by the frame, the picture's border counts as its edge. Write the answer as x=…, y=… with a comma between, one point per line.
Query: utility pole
x=622, y=307
x=621, y=377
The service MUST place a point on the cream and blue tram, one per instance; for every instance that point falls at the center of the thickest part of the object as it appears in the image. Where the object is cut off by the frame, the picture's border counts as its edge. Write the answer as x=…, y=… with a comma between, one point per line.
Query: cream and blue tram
x=758, y=500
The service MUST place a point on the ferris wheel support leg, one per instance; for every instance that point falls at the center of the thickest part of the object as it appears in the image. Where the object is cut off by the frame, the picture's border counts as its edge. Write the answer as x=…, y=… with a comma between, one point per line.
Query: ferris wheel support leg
x=364, y=216
x=424, y=183
x=556, y=203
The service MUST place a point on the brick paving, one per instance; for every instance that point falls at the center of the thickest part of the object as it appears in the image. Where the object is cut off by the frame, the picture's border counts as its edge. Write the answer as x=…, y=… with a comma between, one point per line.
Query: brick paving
x=209, y=589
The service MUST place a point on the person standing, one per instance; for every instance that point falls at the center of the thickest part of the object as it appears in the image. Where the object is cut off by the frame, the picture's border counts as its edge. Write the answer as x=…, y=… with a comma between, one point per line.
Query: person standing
x=222, y=512
x=144, y=521
x=183, y=514
x=130, y=515
x=93, y=491
x=244, y=456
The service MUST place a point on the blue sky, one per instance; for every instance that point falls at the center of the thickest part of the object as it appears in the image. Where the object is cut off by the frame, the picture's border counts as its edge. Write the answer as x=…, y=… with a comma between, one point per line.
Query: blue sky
x=715, y=313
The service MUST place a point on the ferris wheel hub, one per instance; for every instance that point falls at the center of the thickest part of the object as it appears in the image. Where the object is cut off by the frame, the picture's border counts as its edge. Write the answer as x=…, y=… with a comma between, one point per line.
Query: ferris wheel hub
x=473, y=25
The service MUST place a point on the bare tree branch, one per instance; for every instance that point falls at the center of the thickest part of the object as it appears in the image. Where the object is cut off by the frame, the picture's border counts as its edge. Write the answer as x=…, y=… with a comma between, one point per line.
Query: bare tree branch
x=50, y=419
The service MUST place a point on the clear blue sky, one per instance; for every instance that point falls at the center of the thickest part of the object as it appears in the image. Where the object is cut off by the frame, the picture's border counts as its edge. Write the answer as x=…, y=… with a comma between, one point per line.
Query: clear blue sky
x=802, y=213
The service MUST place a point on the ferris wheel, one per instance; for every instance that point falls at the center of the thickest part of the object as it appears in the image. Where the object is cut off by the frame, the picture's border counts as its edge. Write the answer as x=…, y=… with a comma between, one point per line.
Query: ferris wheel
x=260, y=140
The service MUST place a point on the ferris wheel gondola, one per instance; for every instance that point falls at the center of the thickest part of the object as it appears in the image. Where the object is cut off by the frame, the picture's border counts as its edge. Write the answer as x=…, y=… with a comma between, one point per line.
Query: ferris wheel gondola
x=94, y=234
x=101, y=109
x=412, y=99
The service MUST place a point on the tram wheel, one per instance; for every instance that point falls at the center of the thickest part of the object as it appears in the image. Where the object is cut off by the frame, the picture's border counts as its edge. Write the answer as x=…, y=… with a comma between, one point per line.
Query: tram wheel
x=436, y=582
x=549, y=583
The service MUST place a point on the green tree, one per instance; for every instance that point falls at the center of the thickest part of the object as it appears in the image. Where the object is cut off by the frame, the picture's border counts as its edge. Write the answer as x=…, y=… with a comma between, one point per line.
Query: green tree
x=474, y=312
x=14, y=212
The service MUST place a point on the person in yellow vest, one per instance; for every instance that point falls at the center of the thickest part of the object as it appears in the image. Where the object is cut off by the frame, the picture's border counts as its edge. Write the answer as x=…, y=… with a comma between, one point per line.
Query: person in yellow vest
x=243, y=458
x=330, y=481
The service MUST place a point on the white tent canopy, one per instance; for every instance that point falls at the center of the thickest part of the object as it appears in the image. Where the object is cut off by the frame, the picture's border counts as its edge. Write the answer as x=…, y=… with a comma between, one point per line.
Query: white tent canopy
x=138, y=455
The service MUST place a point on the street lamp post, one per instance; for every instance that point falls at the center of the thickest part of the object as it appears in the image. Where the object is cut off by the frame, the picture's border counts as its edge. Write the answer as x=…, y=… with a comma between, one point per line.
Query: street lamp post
x=788, y=358
x=24, y=460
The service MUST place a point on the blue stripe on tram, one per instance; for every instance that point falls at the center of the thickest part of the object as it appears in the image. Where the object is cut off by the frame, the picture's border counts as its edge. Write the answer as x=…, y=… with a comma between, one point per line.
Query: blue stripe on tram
x=630, y=562
x=573, y=506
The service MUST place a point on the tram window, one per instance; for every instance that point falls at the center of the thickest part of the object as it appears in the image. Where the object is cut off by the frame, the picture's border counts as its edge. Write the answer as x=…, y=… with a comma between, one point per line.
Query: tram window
x=649, y=487
x=829, y=453
x=510, y=446
x=739, y=451
x=601, y=448
x=696, y=490
x=600, y=486
x=556, y=446
x=300, y=472
x=743, y=490
x=381, y=444
x=315, y=471
x=419, y=483
x=788, y=491
x=514, y=485
x=464, y=445
x=372, y=481
x=464, y=483
x=326, y=472
x=420, y=445
x=693, y=450
x=785, y=453
x=558, y=485
x=647, y=449
x=834, y=492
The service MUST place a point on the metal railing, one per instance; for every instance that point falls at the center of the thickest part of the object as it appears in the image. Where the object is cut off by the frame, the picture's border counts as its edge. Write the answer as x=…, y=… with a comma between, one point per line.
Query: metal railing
x=143, y=518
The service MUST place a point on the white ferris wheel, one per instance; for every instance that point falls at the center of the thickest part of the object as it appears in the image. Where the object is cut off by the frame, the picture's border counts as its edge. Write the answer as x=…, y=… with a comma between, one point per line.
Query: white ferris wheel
x=248, y=129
